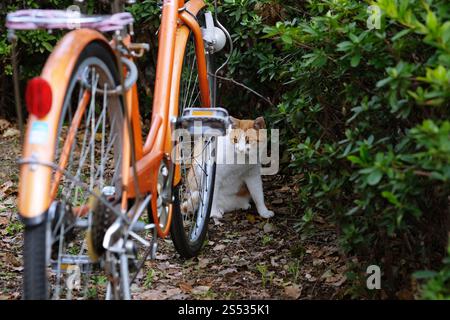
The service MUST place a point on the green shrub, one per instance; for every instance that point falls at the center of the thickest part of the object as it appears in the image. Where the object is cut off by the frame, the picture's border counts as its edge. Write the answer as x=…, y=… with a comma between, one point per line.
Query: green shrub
x=437, y=286
x=363, y=115
x=365, y=110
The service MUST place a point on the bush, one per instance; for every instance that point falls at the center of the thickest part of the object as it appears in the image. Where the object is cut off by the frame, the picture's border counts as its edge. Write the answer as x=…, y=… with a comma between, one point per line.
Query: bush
x=363, y=115
x=437, y=286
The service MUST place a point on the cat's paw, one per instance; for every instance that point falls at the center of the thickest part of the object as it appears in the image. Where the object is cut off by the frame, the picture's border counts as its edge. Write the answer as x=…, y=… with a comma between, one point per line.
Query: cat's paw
x=266, y=214
x=246, y=206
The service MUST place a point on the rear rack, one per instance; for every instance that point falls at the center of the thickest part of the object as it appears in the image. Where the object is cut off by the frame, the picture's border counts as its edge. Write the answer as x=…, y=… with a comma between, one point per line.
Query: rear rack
x=204, y=121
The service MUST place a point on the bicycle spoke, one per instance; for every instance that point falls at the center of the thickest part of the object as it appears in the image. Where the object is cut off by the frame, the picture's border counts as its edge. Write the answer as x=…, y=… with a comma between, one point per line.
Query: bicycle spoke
x=93, y=158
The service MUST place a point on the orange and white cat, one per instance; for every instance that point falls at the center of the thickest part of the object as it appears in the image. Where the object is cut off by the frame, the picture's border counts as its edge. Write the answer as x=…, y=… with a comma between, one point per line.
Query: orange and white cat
x=237, y=182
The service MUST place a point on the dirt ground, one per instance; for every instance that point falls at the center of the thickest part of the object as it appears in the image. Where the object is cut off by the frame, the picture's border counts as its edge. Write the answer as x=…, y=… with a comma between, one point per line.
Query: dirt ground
x=245, y=257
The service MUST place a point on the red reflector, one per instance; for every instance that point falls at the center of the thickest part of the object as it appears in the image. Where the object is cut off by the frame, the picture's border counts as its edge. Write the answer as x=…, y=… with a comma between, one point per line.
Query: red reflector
x=38, y=97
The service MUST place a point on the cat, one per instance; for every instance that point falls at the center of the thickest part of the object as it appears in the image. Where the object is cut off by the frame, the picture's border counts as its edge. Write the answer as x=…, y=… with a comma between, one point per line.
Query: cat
x=238, y=182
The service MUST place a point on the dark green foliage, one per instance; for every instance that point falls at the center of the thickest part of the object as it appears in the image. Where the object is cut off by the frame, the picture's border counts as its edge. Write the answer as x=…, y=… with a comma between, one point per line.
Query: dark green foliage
x=437, y=286
x=363, y=115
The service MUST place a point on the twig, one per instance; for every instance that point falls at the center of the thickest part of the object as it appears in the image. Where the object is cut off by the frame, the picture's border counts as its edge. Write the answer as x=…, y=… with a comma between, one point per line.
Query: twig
x=245, y=87
x=422, y=173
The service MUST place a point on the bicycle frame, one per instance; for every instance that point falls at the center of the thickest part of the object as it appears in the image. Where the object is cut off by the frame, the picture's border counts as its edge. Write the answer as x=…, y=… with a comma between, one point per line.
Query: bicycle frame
x=176, y=24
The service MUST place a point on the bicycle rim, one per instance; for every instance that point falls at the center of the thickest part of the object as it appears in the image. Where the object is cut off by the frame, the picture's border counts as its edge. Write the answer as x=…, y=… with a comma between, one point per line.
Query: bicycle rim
x=88, y=154
x=196, y=158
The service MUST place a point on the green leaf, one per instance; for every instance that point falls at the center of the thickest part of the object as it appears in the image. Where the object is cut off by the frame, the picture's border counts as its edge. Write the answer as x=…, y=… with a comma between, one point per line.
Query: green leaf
x=401, y=34
x=374, y=177
x=432, y=21
x=383, y=82
x=286, y=38
x=344, y=46
x=354, y=38
x=47, y=46
x=355, y=60
x=425, y=274
x=390, y=197
x=354, y=160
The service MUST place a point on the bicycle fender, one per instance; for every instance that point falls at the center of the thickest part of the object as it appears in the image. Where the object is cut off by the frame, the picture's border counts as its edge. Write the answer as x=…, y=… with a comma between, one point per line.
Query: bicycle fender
x=41, y=134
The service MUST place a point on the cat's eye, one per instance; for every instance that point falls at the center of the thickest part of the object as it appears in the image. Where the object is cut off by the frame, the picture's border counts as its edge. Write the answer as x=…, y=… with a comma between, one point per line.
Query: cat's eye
x=247, y=140
x=235, y=140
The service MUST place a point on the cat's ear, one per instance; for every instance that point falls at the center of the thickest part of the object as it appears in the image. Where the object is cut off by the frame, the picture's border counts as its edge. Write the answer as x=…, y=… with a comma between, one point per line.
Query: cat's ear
x=259, y=123
x=234, y=122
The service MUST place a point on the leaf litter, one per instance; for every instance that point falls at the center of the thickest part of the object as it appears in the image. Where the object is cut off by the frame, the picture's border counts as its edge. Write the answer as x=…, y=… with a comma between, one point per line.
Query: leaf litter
x=233, y=264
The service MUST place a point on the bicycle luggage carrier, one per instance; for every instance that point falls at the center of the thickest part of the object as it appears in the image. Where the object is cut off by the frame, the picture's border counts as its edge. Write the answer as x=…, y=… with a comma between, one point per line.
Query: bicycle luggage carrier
x=204, y=121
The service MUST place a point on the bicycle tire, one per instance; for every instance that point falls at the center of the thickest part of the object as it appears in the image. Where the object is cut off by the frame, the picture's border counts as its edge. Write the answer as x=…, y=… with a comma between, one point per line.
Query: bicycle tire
x=36, y=249
x=183, y=243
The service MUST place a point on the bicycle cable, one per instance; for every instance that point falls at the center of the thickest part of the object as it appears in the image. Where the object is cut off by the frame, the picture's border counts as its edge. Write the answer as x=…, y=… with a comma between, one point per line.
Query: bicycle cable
x=227, y=34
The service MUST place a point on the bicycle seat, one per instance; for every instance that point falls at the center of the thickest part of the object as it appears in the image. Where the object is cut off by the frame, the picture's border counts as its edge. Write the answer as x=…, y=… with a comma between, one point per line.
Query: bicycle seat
x=32, y=19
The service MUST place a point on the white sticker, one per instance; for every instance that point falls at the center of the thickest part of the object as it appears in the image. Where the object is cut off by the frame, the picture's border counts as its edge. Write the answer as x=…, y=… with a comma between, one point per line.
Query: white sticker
x=39, y=132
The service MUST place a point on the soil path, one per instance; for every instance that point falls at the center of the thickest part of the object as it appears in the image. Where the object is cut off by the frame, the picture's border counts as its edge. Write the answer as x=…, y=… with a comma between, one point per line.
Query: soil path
x=245, y=257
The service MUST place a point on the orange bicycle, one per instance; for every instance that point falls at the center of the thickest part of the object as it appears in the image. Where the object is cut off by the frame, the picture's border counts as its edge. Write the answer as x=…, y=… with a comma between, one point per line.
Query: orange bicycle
x=93, y=196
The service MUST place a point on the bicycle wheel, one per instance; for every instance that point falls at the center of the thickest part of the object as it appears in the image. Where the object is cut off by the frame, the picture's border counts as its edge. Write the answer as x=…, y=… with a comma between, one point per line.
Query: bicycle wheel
x=88, y=154
x=196, y=158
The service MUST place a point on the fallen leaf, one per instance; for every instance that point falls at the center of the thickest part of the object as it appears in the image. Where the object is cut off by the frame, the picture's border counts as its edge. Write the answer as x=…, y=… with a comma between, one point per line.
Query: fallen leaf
x=293, y=291
x=310, y=278
x=180, y=296
x=200, y=289
x=319, y=219
x=4, y=221
x=4, y=124
x=277, y=201
x=203, y=262
x=159, y=294
x=11, y=132
x=173, y=291
x=327, y=274
x=317, y=262
x=227, y=271
x=135, y=288
x=219, y=247
x=151, y=295
x=251, y=218
x=162, y=256
x=340, y=281
x=9, y=202
x=226, y=260
x=185, y=287
x=242, y=239
x=273, y=261
x=163, y=265
x=268, y=227
x=5, y=187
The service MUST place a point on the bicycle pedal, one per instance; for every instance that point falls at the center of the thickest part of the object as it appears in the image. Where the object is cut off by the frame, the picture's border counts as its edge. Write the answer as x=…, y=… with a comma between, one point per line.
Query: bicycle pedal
x=204, y=121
